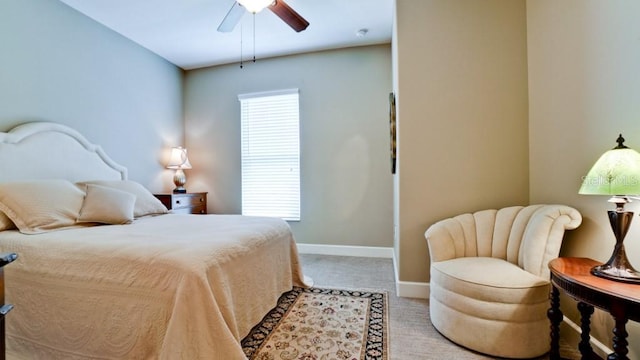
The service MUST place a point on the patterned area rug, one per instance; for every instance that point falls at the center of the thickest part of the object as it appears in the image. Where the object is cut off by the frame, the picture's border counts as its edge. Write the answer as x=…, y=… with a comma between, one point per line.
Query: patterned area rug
x=322, y=324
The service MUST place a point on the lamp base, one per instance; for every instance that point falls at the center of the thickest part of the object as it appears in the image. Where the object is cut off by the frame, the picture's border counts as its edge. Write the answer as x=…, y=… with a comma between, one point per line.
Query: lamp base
x=618, y=268
x=179, y=179
x=607, y=271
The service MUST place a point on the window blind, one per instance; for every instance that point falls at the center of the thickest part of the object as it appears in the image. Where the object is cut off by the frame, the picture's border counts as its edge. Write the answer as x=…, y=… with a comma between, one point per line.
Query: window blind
x=270, y=137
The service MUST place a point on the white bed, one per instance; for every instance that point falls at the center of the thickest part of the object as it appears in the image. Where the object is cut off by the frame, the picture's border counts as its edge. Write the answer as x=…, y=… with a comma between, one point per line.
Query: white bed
x=164, y=286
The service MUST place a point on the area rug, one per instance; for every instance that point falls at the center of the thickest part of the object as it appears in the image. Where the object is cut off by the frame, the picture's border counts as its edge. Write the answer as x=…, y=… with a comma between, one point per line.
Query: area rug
x=322, y=324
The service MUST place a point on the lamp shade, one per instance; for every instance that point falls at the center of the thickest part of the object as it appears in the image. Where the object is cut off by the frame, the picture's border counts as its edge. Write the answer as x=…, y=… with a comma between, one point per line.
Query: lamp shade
x=255, y=6
x=179, y=159
x=617, y=172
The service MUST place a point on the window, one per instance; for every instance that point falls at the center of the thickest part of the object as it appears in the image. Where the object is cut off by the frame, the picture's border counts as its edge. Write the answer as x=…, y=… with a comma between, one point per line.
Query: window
x=270, y=139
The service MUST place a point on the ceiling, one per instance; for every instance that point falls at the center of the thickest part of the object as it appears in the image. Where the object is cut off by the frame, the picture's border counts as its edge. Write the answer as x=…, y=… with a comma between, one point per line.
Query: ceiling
x=185, y=31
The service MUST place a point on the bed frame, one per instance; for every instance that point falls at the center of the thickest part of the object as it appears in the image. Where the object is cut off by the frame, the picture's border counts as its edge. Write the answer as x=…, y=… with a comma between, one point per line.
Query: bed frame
x=27, y=153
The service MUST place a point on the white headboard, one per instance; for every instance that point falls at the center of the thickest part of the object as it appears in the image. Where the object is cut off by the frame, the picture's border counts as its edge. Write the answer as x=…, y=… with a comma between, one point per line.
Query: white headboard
x=46, y=150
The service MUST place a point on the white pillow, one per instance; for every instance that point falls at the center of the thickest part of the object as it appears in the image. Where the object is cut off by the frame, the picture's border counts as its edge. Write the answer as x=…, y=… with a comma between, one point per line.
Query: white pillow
x=107, y=205
x=6, y=223
x=146, y=203
x=41, y=205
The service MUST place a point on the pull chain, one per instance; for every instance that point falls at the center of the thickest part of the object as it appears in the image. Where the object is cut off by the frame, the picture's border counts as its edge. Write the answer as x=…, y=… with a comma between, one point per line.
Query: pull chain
x=254, y=42
x=241, y=46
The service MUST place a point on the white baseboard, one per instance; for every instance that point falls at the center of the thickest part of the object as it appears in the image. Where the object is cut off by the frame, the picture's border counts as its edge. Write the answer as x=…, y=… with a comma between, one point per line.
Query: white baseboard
x=346, y=250
x=573, y=337
x=409, y=289
x=412, y=289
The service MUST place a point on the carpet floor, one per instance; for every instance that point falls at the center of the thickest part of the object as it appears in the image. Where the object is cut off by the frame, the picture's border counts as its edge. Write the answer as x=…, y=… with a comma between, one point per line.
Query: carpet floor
x=411, y=335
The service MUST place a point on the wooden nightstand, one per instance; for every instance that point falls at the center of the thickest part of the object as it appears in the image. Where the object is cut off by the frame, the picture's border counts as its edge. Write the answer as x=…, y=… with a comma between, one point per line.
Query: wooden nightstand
x=185, y=203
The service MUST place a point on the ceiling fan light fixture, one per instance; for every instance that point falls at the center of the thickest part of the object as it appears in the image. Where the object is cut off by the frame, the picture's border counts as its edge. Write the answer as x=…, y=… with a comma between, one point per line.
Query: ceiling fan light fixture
x=255, y=6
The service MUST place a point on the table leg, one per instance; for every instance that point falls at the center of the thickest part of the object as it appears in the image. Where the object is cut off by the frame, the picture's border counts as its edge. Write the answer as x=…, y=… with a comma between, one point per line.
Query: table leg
x=555, y=316
x=620, y=334
x=586, y=311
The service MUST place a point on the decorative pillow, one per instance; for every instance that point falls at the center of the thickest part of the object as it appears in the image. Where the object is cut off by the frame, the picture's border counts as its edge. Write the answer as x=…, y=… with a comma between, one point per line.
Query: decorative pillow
x=6, y=223
x=107, y=205
x=146, y=203
x=41, y=205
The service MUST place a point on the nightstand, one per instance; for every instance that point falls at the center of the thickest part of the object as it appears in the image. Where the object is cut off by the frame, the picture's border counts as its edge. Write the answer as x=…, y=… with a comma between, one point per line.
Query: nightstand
x=185, y=203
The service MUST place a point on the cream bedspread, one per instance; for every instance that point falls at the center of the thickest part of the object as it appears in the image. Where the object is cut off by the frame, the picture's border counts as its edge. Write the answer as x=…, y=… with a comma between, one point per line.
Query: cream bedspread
x=165, y=287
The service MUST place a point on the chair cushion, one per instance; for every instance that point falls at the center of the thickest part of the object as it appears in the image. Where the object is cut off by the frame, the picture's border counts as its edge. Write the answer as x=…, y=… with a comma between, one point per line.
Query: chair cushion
x=490, y=279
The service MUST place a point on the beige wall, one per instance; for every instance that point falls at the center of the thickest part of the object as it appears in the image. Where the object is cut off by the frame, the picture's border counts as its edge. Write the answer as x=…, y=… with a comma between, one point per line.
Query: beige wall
x=461, y=82
x=346, y=179
x=584, y=89
x=58, y=65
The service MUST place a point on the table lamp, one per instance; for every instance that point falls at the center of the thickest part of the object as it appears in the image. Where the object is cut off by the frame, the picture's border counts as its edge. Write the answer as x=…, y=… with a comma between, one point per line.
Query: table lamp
x=616, y=173
x=179, y=161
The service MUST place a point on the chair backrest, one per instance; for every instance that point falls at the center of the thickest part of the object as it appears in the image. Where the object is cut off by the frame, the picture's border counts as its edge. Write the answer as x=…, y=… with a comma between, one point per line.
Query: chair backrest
x=528, y=236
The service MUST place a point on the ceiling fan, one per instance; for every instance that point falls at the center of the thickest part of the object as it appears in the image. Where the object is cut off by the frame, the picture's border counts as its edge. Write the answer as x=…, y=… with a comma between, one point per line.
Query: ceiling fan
x=278, y=7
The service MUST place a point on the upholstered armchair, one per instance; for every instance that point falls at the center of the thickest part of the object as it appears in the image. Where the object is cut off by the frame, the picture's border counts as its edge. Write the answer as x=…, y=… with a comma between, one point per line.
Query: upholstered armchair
x=489, y=285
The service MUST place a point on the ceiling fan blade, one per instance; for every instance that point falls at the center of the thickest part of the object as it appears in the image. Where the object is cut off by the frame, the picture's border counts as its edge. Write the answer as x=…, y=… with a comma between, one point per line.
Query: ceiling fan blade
x=232, y=18
x=288, y=15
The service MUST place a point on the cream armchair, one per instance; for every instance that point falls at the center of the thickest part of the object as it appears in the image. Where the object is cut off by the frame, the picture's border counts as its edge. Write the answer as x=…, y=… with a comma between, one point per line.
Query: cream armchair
x=489, y=285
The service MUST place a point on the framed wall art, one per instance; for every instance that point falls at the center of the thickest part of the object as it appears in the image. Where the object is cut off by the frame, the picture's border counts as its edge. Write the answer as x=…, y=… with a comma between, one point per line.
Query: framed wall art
x=392, y=127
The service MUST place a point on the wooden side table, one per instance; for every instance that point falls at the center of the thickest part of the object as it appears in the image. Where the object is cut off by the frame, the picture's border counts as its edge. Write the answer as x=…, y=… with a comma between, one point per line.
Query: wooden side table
x=185, y=203
x=621, y=300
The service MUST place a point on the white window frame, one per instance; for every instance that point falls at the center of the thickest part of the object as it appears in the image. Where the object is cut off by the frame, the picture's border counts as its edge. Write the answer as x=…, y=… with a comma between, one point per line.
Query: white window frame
x=270, y=153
